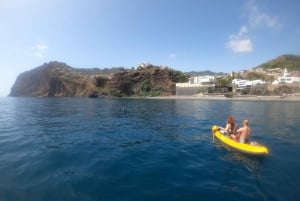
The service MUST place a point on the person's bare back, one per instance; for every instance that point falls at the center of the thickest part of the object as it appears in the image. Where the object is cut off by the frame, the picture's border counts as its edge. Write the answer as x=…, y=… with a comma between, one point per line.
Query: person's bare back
x=244, y=132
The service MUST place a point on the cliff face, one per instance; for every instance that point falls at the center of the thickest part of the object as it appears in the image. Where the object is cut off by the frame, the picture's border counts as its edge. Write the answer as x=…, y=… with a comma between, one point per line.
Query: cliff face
x=52, y=79
x=59, y=79
x=151, y=81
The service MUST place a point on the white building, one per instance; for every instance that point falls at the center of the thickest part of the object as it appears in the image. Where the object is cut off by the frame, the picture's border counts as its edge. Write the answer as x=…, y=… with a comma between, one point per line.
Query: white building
x=243, y=84
x=198, y=82
x=202, y=80
x=286, y=78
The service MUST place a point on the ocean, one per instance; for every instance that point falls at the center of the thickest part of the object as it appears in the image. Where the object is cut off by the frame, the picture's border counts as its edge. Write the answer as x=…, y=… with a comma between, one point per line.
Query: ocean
x=144, y=149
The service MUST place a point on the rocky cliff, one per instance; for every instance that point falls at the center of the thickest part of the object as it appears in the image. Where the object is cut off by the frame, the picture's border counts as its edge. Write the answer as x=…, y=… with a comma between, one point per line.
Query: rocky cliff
x=52, y=79
x=59, y=79
x=150, y=81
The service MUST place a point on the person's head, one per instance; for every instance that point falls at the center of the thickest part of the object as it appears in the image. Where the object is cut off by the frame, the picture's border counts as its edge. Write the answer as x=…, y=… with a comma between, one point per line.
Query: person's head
x=230, y=119
x=246, y=122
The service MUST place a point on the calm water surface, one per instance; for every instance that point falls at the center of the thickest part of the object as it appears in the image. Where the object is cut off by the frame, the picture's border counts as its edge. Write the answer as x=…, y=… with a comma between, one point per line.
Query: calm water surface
x=132, y=149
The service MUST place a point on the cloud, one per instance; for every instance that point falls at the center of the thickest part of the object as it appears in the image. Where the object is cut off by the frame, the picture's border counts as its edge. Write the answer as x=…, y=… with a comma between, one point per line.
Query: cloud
x=172, y=56
x=240, y=42
x=260, y=19
x=39, y=50
x=41, y=47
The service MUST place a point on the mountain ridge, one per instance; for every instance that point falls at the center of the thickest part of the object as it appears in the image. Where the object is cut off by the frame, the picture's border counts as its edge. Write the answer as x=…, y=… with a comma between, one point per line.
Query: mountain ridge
x=289, y=61
x=59, y=79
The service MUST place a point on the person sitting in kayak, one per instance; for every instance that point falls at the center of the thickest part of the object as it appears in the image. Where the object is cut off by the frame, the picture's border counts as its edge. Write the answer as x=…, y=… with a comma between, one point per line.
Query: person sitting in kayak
x=230, y=127
x=243, y=133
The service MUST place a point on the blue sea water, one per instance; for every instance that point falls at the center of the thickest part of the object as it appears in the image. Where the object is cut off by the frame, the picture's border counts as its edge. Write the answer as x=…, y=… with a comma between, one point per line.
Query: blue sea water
x=144, y=149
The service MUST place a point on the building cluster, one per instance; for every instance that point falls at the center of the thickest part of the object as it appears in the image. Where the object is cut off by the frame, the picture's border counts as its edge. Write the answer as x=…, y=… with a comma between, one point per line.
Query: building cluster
x=275, y=72
x=282, y=77
x=287, y=77
x=208, y=81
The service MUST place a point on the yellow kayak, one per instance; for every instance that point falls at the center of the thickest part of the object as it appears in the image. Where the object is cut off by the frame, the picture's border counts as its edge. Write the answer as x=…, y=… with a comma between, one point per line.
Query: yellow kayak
x=247, y=148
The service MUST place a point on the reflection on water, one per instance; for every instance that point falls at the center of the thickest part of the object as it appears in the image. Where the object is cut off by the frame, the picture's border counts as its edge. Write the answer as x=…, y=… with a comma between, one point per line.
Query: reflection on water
x=251, y=162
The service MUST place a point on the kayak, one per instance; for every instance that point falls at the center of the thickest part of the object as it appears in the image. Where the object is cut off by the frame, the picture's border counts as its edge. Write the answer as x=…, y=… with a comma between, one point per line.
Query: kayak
x=246, y=148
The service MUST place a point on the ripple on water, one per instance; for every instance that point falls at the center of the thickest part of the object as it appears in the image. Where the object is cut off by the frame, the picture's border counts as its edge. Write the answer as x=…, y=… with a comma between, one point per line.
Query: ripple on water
x=119, y=149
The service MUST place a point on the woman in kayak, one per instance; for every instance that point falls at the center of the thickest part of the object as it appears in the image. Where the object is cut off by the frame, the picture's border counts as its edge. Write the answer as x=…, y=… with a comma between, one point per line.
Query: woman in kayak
x=230, y=126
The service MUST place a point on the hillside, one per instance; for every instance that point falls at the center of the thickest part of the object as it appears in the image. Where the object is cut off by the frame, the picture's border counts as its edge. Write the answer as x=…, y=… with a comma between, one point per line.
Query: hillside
x=52, y=79
x=150, y=81
x=291, y=62
x=58, y=79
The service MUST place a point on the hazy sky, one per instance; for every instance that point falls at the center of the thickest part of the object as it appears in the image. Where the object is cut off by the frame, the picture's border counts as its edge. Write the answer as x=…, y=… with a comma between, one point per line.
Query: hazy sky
x=217, y=35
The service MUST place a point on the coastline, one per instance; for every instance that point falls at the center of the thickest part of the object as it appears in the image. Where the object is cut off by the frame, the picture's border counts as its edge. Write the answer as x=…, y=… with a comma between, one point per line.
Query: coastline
x=235, y=97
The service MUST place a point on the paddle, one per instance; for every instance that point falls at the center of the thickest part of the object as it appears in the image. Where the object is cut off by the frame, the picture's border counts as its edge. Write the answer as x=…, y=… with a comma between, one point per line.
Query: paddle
x=223, y=130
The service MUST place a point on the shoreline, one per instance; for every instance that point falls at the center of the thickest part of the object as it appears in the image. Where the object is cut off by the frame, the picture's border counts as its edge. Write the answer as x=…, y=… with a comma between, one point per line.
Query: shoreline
x=237, y=97
x=291, y=98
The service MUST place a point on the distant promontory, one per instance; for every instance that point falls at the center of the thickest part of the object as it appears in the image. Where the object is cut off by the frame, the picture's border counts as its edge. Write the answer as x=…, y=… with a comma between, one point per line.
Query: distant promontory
x=57, y=79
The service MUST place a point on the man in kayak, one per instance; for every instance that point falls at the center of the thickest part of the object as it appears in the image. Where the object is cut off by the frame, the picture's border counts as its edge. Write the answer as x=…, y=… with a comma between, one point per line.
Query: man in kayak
x=244, y=132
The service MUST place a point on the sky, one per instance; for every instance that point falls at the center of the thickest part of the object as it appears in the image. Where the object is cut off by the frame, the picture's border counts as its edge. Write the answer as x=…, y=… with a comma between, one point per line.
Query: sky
x=186, y=35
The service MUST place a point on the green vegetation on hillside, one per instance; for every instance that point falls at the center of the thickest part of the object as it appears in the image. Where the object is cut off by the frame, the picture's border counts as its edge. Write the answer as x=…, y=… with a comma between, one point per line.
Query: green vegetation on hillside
x=149, y=81
x=291, y=62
